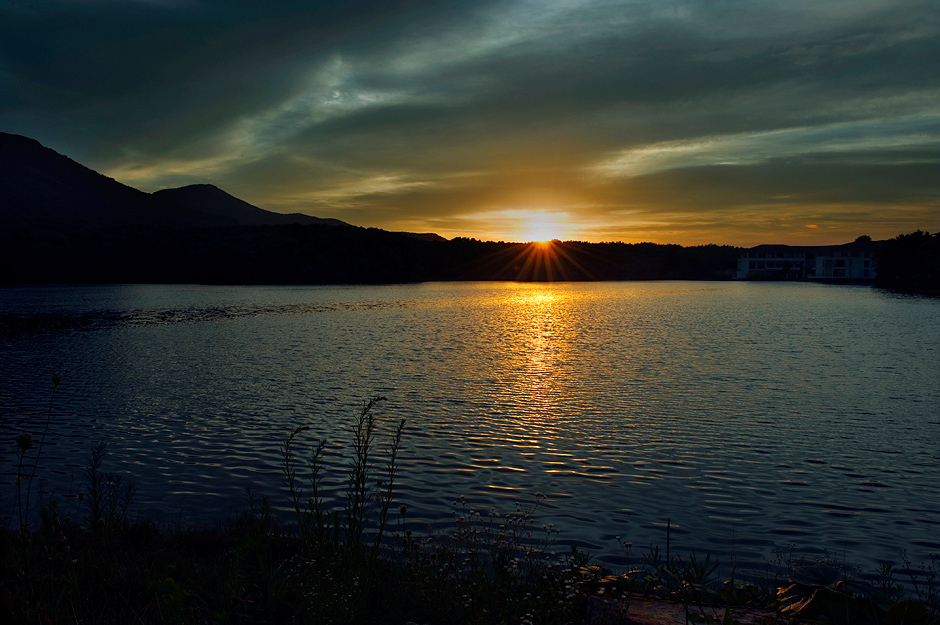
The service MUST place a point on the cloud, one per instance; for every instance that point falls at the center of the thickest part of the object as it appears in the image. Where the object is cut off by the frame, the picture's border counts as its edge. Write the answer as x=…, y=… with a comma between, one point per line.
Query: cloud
x=385, y=113
x=855, y=140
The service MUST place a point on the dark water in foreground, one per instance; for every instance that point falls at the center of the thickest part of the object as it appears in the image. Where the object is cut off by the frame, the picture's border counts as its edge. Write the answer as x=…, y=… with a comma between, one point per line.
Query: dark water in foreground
x=753, y=416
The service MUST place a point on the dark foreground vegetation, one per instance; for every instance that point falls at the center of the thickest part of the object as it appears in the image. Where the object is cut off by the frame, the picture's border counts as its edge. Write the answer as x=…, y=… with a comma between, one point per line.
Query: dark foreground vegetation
x=253, y=571
x=86, y=559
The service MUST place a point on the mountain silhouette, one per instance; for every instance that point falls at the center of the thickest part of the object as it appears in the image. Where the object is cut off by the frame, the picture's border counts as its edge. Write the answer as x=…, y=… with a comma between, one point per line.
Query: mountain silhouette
x=44, y=191
x=211, y=200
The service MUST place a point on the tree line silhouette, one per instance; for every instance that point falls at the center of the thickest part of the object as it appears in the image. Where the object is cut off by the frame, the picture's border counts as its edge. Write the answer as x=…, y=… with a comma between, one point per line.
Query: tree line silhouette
x=321, y=254
x=910, y=262
x=314, y=254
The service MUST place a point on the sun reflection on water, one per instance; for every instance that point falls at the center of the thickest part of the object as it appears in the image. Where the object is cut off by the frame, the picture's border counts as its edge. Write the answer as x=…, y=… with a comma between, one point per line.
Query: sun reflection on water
x=540, y=347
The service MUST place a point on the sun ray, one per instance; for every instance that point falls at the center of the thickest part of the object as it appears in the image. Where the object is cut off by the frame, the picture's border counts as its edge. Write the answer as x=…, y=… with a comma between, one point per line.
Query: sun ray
x=546, y=261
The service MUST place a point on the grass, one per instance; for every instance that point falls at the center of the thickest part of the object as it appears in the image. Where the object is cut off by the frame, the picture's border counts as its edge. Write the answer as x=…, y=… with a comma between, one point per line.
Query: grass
x=350, y=563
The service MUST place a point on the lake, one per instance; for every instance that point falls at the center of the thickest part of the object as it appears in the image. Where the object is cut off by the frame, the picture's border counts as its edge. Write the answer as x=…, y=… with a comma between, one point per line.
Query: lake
x=754, y=417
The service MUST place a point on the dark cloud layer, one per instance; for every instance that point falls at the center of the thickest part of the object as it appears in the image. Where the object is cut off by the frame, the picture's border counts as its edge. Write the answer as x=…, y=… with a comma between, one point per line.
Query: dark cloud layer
x=688, y=121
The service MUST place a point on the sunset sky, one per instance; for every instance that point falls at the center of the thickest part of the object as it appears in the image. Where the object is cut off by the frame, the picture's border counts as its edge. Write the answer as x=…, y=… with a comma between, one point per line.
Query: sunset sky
x=701, y=121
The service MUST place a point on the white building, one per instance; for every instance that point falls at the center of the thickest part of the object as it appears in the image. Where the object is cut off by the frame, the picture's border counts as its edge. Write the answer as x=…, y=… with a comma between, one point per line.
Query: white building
x=849, y=263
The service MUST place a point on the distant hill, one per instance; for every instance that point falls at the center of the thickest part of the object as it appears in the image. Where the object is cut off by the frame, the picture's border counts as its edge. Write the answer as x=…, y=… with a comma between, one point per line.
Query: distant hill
x=44, y=191
x=211, y=200
x=423, y=236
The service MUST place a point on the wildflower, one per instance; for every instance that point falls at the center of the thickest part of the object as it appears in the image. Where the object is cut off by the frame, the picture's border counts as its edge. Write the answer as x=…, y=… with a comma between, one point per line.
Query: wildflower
x=24, y=441
x=56, y=379
x=404, y=509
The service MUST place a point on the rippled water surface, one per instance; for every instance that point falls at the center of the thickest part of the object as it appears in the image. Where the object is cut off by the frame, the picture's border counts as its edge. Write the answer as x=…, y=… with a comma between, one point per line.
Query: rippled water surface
x=752, y=416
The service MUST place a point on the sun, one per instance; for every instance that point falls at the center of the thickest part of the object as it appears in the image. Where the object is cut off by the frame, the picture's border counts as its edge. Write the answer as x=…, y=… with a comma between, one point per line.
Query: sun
x=542, y=255
x=540, y=227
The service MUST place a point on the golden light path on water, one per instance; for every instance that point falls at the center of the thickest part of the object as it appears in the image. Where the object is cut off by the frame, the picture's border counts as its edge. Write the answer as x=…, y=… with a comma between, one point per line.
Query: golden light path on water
x=532, y=346
x=528, y=428
x=538, y=341
x=546, y=343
